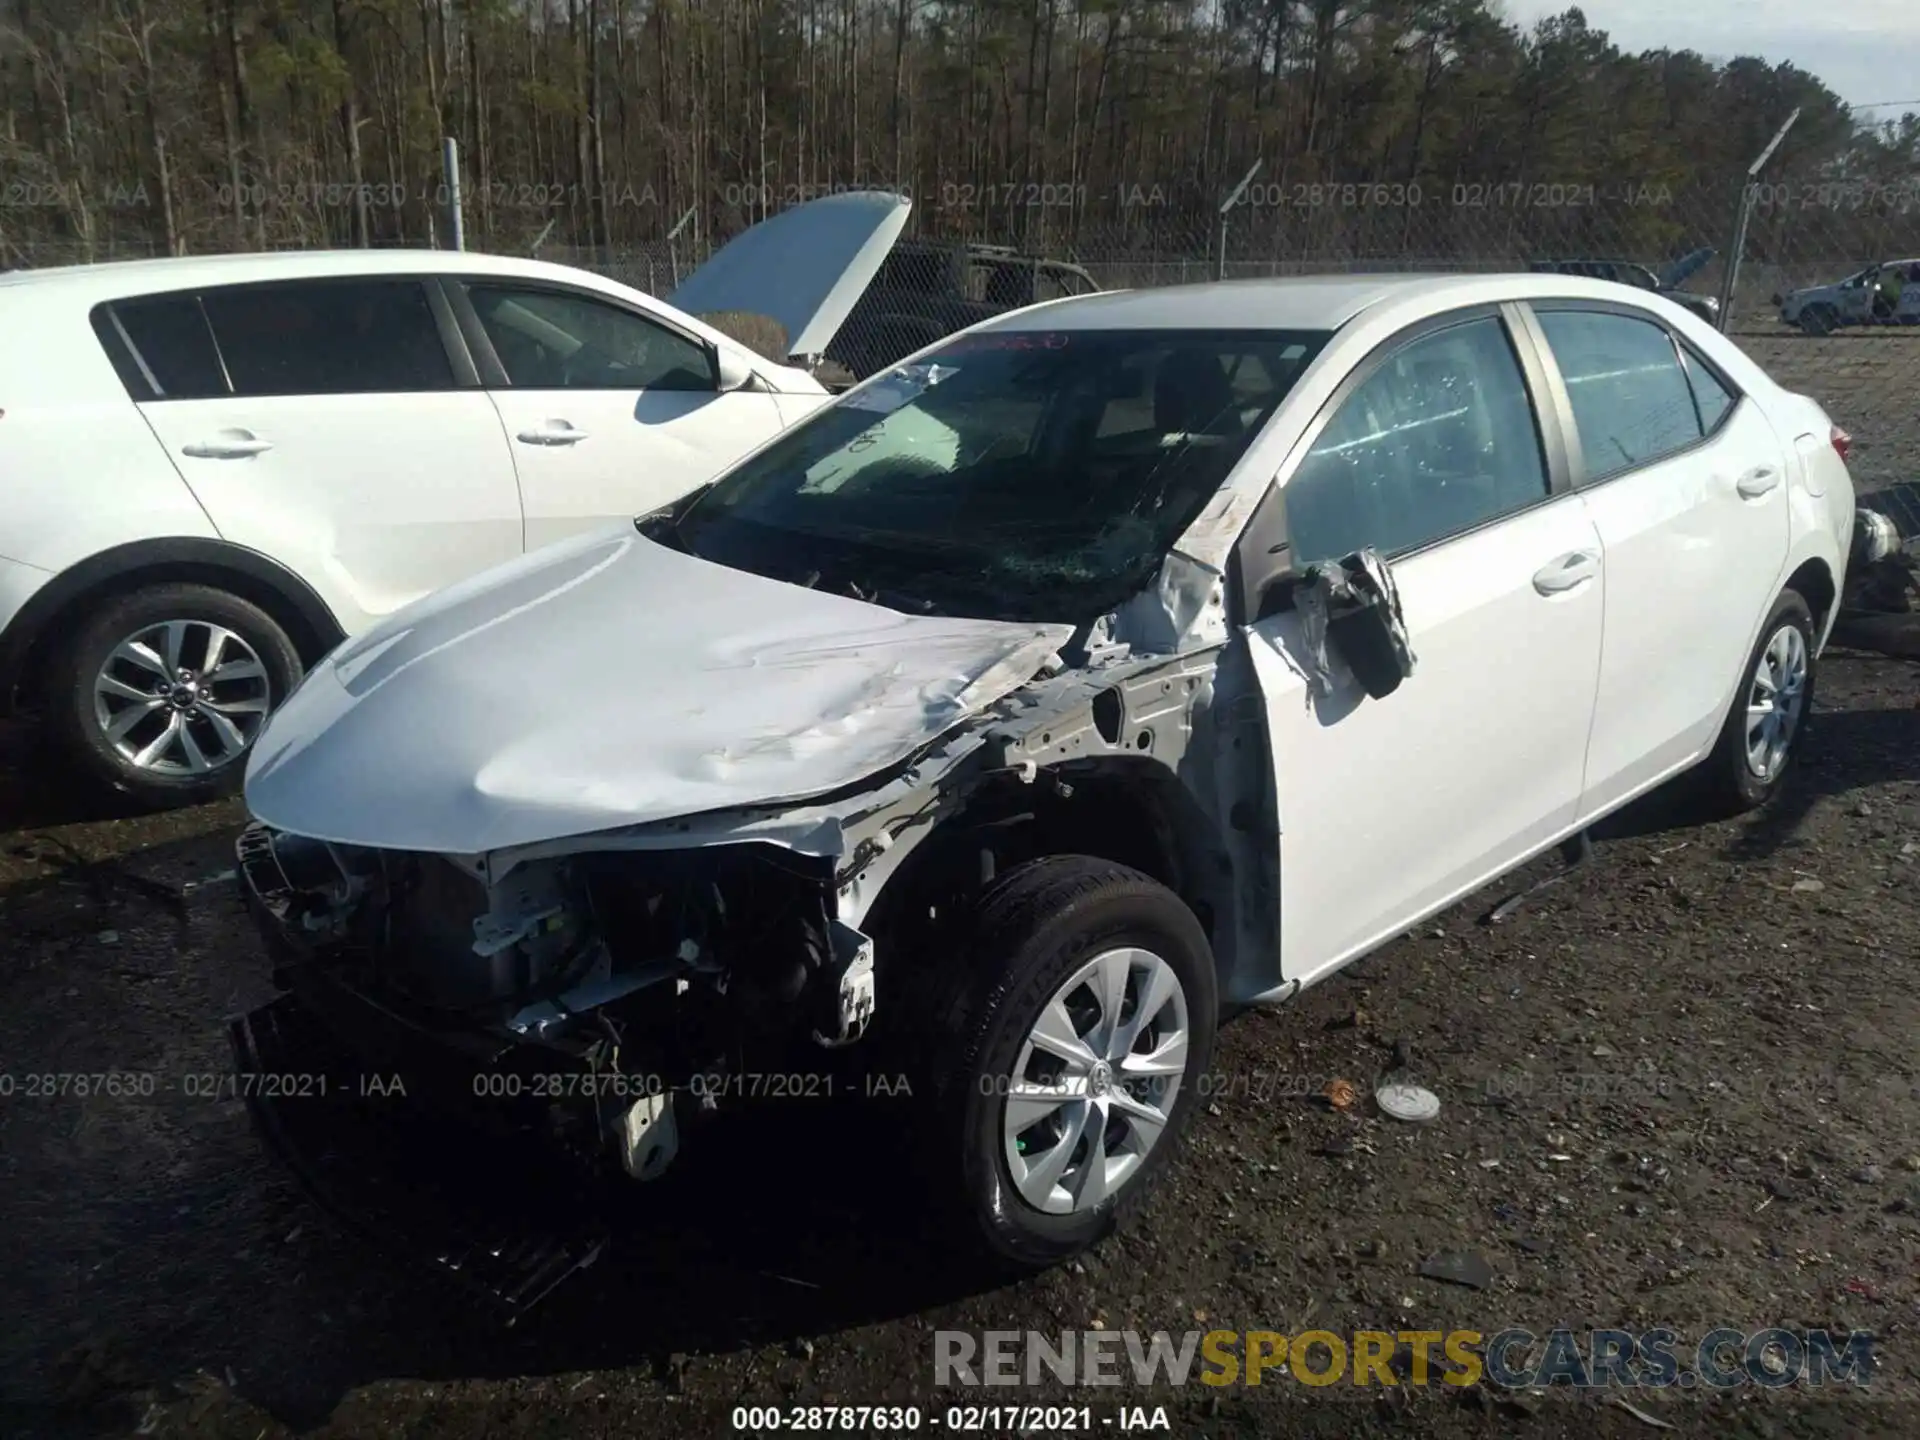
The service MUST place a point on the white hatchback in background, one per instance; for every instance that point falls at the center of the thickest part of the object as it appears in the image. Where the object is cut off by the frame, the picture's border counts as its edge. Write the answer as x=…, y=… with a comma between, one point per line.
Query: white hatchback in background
x=217, y=468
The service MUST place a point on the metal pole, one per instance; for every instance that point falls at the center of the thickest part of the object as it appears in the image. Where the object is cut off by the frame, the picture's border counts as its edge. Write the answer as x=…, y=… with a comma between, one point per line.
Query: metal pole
x=1220, y=270
x=1730, y=276
x=450, y=166
x=1744, y=213
x=673, y=255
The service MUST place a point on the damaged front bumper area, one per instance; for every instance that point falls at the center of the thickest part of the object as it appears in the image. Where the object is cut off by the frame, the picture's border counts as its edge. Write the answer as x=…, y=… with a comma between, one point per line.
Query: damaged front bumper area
x=477, y=1075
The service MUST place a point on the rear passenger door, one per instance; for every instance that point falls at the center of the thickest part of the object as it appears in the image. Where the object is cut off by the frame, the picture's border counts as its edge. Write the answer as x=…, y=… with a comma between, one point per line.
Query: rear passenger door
x=324, y=422
x=610, y=412
x=1686, y=482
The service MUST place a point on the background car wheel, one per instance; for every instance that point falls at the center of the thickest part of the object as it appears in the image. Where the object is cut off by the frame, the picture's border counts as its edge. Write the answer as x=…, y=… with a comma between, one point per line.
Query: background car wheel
x=1749, y=764
x=159, y=693
x=1818, y=320
x=1068, y=1056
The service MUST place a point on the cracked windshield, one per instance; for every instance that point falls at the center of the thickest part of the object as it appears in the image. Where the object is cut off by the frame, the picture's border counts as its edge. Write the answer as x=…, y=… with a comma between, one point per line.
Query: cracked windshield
x=1017, y=475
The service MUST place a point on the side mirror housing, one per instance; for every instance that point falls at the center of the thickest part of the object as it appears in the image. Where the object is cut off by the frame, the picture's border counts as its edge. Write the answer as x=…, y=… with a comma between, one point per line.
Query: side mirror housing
x=735, y=371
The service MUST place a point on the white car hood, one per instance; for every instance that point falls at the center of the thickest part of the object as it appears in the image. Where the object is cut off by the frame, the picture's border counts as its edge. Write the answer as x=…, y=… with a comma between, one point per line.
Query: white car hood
x=609, y=681
x=806, y=267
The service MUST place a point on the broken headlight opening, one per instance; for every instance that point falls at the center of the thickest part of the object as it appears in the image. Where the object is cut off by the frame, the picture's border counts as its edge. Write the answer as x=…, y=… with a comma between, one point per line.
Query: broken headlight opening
x=590, y=1007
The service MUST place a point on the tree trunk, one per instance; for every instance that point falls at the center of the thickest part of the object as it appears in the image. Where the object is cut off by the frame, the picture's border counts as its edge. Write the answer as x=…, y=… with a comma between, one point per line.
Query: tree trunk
x=350, y=130
x=229, y=128
x=894, y=117
x=156, y=138
x=603, y=212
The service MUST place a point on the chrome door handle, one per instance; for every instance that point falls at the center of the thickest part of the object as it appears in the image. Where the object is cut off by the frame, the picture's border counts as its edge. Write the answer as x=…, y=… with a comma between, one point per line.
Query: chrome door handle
x=553, y=432
x=239, y=446
x=1568, y=572
x=1758, y=481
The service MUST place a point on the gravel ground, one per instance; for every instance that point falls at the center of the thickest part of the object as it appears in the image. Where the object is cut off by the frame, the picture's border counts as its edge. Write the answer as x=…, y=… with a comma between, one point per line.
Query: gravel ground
x=1677, y=1090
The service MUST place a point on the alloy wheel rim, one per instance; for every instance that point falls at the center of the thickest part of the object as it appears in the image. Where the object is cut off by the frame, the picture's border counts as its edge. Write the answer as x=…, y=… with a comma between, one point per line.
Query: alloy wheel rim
x=181, y=697
x=1776, y=700
x=1094, y=1085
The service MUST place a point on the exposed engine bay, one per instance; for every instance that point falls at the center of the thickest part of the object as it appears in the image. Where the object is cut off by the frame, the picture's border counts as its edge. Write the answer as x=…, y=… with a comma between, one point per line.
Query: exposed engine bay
x=621, y=988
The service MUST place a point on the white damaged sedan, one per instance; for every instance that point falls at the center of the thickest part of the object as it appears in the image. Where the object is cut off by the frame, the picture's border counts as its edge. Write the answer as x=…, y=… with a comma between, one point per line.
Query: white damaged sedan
x=1109, y=667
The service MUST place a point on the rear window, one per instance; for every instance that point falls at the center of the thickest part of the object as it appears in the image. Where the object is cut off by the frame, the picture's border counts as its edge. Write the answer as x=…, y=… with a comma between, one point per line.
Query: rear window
x=161, y=347
x=329, y=338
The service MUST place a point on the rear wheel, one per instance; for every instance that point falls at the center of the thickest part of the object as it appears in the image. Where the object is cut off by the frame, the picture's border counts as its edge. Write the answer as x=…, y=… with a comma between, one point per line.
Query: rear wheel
x=1749, y=763
x=159, y=694
x=1068, y=1054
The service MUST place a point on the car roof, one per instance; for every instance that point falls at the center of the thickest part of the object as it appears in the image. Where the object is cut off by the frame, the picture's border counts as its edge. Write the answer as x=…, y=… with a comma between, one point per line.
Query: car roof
x=1305, y=302
x=118, y=278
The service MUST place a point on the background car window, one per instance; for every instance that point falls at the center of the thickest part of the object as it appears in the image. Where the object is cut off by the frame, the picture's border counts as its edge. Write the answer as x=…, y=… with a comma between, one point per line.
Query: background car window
x=1711, y=399
x=549, y=341
x=1439, y=439
x=172, y=349
x=1631, y=400
x=329, y=338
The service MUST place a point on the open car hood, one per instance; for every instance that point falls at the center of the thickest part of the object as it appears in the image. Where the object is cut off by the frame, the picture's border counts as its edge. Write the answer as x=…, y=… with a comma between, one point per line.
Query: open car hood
x=609, y=681
x=806, y=267
x=1676, y=273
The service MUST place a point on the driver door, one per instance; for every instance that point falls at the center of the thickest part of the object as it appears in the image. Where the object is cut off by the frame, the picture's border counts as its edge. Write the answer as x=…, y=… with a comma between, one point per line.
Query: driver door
x=608, y=412
x=1391, y=808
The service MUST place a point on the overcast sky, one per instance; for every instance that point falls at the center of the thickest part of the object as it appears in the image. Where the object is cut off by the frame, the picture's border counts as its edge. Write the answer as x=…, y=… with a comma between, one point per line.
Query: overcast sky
x=1865, y=50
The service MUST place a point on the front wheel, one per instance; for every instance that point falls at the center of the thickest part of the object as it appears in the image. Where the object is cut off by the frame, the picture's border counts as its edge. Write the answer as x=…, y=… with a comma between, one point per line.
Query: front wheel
x=1818, y=320
x=1749, y=763
x=1070, y=1056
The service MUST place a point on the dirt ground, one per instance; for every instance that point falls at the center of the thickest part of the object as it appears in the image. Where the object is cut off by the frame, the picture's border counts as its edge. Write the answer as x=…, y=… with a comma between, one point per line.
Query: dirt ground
x=1678, y=1090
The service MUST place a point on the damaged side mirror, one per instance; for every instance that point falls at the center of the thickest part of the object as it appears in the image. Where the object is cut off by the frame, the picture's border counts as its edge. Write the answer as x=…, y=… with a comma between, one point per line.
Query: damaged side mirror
x=1351, y=607
x=1363, y=632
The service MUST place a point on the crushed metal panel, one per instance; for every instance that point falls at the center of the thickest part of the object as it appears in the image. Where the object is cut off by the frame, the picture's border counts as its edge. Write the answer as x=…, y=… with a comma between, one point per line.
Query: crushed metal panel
x=609, y=681
x=1183, y=609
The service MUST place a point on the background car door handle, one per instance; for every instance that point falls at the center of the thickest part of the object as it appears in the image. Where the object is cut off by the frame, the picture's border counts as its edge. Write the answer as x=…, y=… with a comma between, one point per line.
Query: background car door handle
x=228, y=445
x=1758, y=481
x=552, y=432
x=1569, y=572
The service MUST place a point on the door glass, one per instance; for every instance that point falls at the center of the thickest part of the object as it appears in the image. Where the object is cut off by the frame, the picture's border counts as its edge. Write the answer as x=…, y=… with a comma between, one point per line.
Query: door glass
x=1631, y=401
x=552, y=341
x=1440, y=439
x=329, y=337
x=168, y=344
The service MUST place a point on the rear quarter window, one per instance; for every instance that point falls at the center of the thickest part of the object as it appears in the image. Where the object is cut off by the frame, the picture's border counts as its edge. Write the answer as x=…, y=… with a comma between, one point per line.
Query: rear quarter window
x=161, y=347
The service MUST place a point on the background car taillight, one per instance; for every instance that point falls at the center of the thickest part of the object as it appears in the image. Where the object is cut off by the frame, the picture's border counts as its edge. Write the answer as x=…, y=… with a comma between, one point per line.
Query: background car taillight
x=1842, y=442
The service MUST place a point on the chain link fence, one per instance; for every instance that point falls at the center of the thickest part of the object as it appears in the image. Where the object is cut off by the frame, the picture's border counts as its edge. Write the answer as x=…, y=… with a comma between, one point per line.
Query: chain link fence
x=1826, y=294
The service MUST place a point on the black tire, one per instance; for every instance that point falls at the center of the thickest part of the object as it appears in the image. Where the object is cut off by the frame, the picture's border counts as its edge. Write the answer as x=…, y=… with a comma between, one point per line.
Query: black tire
x=1034, y=927
x=1818, y=320
x=84, y=652
x=1731, y=786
